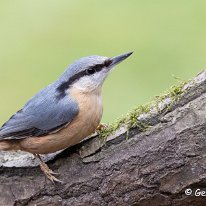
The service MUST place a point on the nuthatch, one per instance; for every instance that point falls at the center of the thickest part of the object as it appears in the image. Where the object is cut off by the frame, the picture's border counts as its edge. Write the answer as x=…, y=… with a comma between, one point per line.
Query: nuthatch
x=63, y=113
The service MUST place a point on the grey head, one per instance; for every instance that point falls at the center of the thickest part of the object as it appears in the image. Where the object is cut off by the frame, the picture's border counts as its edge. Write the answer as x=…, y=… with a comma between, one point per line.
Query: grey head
x=88, y=73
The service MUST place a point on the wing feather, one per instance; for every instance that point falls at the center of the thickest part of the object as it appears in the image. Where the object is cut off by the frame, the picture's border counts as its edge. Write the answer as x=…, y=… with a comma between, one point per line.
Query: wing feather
x=42, y=115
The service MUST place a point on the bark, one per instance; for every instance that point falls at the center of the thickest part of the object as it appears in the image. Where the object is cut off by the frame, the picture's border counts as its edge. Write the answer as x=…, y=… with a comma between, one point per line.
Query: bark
x=153, y=167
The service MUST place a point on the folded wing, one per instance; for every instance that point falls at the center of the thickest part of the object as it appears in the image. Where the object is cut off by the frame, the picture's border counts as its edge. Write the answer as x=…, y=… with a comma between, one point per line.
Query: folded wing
x=42, y=115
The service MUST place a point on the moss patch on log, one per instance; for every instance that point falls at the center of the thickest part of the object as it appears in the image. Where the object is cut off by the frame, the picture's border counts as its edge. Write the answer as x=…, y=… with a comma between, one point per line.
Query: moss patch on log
x=131, y=119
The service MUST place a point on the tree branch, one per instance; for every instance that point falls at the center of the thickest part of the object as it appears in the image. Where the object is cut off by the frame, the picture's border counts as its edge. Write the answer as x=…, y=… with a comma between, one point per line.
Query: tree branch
x=150, y=167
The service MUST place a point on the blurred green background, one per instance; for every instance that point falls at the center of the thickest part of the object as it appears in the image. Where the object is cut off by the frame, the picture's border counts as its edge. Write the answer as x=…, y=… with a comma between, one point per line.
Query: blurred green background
x=39, y=39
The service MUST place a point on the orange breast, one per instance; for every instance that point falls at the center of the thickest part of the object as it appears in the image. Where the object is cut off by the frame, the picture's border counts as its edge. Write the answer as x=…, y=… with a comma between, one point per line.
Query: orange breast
x=85, y=123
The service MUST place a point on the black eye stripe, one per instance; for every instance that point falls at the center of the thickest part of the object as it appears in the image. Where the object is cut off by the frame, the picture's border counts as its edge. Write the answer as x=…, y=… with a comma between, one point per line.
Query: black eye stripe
x=97, y=68
x=107, y=62
x=65, y=85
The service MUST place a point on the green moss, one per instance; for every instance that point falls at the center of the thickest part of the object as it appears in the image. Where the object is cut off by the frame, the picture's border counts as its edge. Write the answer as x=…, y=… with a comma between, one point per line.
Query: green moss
x=130, y=120
x=174, y=93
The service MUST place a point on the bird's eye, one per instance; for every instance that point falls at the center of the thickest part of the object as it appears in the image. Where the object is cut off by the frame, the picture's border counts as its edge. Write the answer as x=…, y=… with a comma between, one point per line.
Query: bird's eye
x=90, y=71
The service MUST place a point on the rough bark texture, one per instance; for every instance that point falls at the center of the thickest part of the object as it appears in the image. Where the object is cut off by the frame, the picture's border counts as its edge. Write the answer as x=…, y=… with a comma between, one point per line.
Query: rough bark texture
x=153, y=167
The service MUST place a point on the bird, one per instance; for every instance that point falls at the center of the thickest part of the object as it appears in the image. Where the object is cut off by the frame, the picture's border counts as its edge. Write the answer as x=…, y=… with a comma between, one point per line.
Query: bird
x=63, y=113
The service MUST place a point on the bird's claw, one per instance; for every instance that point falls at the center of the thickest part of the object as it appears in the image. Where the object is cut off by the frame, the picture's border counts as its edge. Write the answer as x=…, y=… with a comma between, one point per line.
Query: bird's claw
x=101, y=126
x=49, y=173
x=52, y=178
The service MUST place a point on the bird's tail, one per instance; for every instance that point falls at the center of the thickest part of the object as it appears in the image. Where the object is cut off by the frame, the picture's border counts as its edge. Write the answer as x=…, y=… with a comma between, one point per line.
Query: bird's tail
x=8, y=145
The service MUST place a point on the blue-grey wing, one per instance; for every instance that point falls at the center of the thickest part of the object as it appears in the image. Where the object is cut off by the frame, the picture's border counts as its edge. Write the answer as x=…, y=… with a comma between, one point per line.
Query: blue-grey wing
x=42, y=115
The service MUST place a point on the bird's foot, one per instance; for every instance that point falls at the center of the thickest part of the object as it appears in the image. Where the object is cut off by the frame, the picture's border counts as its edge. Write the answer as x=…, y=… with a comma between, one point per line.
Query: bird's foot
x=100, y=127
x=49, y=173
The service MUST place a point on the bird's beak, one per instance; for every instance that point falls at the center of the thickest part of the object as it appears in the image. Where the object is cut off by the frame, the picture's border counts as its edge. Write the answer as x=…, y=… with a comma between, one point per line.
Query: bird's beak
x=116, y=60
